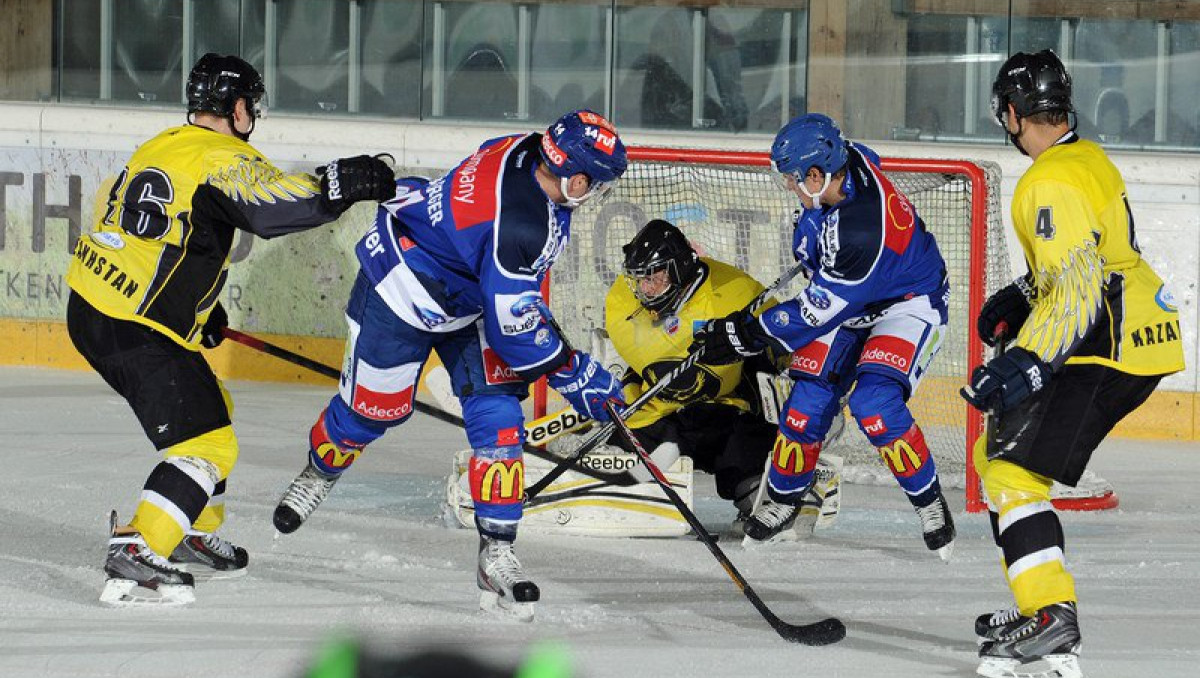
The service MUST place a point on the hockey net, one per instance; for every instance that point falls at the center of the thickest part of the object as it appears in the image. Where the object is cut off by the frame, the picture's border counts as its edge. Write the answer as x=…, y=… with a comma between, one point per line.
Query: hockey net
x=731, y=210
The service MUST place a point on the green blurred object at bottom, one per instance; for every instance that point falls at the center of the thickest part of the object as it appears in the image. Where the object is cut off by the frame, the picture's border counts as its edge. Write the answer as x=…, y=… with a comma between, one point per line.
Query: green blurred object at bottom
x=345, y=658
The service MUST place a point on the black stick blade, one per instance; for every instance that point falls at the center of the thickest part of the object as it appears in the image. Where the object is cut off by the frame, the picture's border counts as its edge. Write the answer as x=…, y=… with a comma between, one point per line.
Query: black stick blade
x=824, y=632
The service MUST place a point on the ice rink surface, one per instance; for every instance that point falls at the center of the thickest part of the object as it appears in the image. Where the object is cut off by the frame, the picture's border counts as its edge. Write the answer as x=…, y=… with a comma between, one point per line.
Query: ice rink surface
x=376, y=561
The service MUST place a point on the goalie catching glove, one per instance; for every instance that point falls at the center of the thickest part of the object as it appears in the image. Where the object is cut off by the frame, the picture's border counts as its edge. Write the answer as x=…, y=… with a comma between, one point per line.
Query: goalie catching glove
x=724, y=341
x=348, y=180
x=1006, y=381
x=587, y=386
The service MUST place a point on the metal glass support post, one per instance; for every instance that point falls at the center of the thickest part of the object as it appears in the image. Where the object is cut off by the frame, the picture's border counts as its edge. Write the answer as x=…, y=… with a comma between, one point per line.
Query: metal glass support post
x=437, y=69
x=355, y=58
x=971, y=86
x=784, y=64
x=1162, y=81
x=698, y=80
x=188, y=55
x=524, y=60
x=106, y=48
x=271, y=48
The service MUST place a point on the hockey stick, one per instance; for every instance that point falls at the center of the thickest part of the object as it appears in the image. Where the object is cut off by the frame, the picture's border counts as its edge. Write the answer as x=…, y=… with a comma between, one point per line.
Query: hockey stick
x=545, y=429
x=686, y=364
x=824, y=632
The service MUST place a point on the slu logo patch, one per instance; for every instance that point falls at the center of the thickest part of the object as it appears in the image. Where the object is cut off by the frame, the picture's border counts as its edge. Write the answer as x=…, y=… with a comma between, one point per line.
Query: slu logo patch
x=780, y=318
x=817, y=296
x=1165, y=300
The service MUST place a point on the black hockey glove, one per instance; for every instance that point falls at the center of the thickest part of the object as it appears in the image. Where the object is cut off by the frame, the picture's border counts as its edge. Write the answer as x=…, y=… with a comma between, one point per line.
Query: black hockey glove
x=348, y=180
x=211, y=335
x=727, y=340
x=1011, y=306
x=1006, y=381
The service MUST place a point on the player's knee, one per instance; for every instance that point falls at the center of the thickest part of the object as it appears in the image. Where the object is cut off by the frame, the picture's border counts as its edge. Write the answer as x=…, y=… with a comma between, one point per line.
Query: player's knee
x=878, y=406
x=809, y=412
x=493, y=421
x=217, y=449
x=1008, y=485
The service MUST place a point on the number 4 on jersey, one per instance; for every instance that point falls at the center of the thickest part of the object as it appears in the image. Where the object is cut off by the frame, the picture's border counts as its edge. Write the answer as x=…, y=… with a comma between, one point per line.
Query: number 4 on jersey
x=1044, y=228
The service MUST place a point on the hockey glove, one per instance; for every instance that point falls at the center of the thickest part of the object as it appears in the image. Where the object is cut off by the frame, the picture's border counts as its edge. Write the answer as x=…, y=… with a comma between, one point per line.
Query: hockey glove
x=211, y=335
x=587, y=386
x=727, y=340
x=348, y=180
x=1006, y=381
x=1010, y=306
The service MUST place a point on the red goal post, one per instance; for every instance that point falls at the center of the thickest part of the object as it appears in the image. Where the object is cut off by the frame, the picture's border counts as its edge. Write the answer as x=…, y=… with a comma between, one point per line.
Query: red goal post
x=728, y=205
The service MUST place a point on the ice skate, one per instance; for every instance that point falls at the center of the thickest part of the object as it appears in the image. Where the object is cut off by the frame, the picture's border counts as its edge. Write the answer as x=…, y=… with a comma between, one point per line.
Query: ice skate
x=1046, y=645
x=777, y=522
x=137, y=576
x=502, y=583
x=992, y=625
x=303, y=497
x=207, y=556
x=937, y=525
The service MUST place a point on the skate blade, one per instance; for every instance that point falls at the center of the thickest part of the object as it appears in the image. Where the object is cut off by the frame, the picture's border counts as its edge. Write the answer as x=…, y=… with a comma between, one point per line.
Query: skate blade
x=202, y=573
x=798, y=532
x=946, y=552
x=490, y=601
x=127, y=593
x=1050, y=666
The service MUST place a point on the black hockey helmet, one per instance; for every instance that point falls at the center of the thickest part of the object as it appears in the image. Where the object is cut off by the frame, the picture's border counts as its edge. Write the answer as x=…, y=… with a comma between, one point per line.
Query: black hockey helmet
x=1032, y=83
x=660, y=246
x=217, y=82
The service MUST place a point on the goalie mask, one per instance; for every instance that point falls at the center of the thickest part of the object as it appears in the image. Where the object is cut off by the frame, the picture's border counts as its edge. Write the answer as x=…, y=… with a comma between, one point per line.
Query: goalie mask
x=217, y=82
x=661, y=267
x=583, y=142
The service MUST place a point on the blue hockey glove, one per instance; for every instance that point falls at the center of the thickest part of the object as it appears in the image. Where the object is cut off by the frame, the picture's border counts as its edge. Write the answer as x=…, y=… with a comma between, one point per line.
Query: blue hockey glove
x=1010, y=306
x=1006, y=381
x=587, y=386
x=211, y=335
x=727, y=340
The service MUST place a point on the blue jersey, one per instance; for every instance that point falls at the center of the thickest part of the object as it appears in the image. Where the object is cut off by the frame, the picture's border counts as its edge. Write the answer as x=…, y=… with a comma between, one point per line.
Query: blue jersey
x=474, y=243
x=864, y=254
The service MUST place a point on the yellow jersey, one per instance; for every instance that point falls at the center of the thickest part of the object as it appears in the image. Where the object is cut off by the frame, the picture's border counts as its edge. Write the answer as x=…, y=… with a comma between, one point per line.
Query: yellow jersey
x=1096, y=300
x=654, y=346
x=160, y=252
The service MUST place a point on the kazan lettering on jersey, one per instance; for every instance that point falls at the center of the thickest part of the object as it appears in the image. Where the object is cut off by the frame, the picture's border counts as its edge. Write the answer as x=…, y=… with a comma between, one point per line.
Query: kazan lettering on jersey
x=1157, y=334
x=108, y=271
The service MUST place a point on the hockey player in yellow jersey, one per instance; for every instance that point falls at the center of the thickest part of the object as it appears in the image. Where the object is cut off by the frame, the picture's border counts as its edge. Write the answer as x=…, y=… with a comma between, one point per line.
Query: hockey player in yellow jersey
x=144, y=298
x=711, y=413
x=1092, y=331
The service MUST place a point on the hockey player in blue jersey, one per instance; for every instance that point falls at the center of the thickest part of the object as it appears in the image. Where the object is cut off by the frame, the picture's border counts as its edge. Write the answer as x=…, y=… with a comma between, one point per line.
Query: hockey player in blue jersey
x=873, y=316
x=456, y=265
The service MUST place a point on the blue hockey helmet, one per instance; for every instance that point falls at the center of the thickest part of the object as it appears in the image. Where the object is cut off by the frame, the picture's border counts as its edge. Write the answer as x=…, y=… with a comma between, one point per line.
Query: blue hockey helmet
x=811, y=140
x=584, y=142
